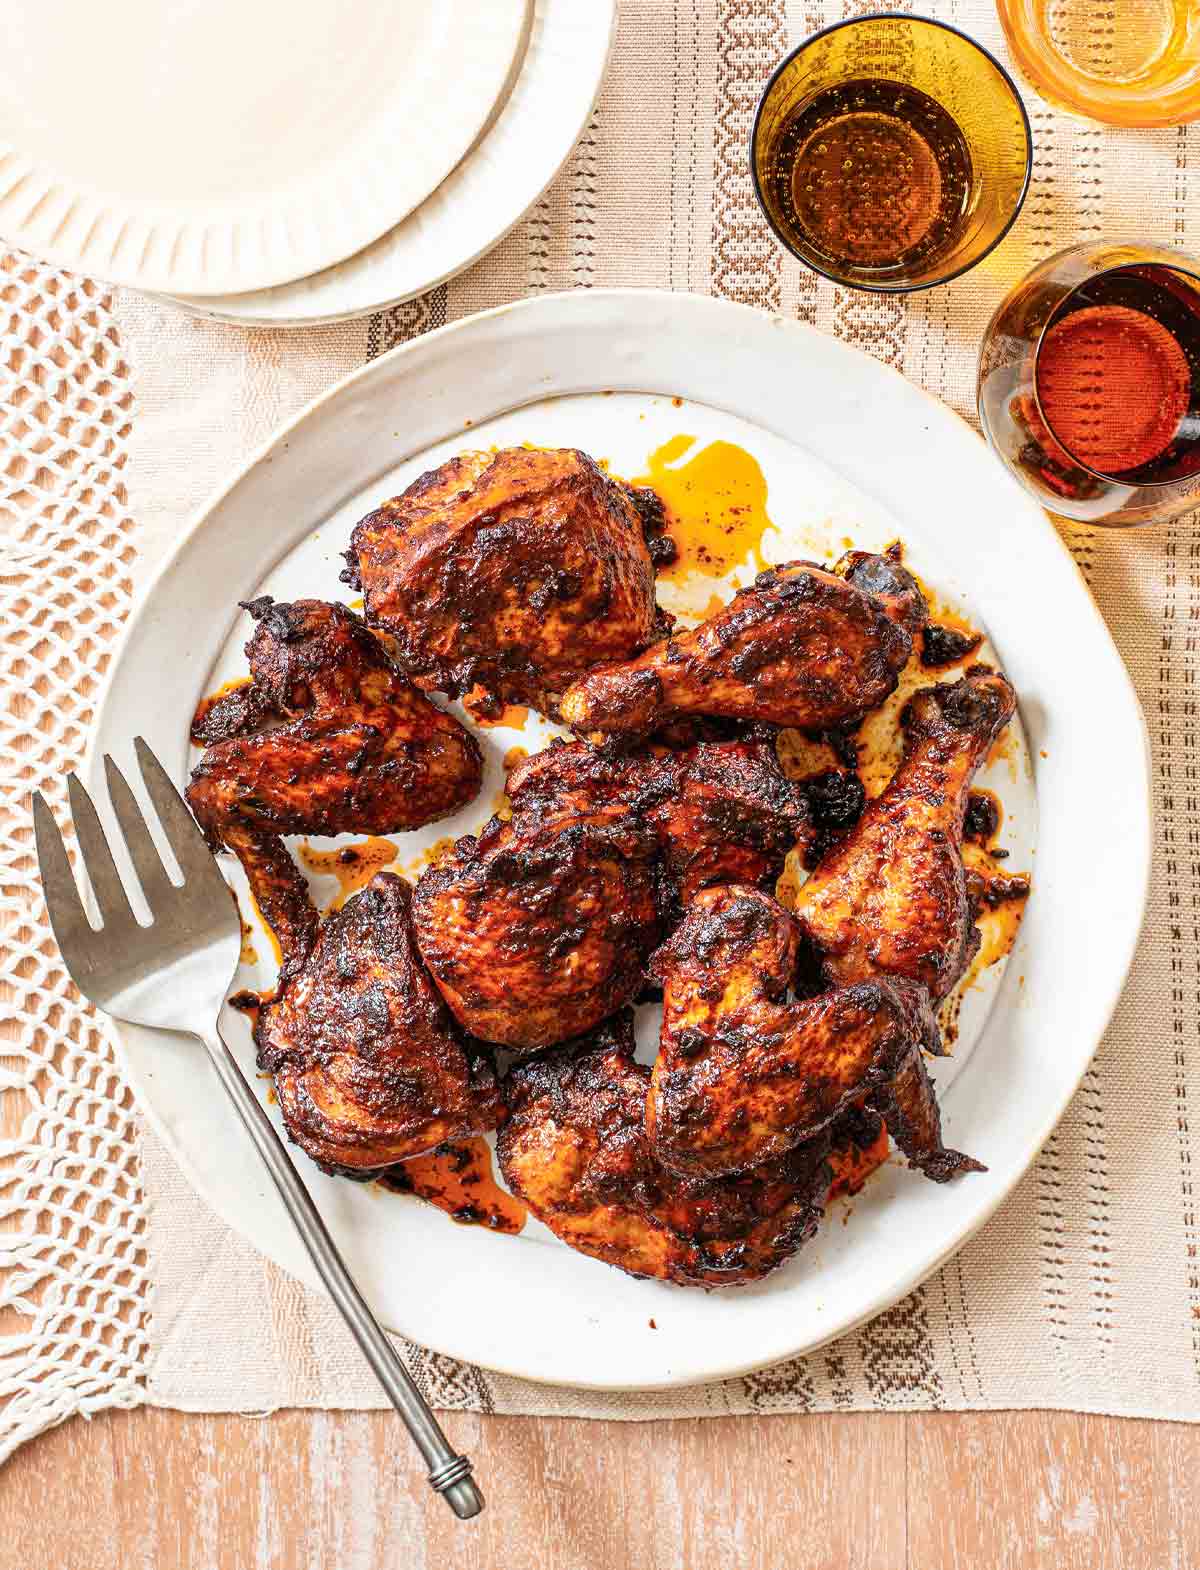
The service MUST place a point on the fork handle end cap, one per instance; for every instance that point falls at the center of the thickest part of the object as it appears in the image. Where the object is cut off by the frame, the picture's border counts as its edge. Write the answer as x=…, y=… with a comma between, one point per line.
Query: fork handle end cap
x=454, y=1482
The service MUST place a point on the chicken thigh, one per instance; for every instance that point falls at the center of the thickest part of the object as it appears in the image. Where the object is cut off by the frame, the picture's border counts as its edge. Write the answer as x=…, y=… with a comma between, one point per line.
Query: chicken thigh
x=512, y=572
x=720, y=812
x=369, y=1067
x=535, y=932
x=574, y=1149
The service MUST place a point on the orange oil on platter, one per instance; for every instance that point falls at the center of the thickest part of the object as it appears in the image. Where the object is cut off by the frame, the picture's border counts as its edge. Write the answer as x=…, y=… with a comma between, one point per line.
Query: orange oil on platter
x=942, y=614
x=510, y=715
x=501, y=805
x=459, y=1178
x=250, y=1003
x=265, y=927
x=352, y=865
x=716, y=505
x=880, y=738
x=249, y=954
x=999, y=925
x=430, y=856
x=999, y=922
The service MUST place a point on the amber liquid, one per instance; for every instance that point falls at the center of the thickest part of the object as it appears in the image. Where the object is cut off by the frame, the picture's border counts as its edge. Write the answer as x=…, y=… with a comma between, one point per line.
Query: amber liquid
x=1117, y=375
x=459, y=1178
x=873, y=175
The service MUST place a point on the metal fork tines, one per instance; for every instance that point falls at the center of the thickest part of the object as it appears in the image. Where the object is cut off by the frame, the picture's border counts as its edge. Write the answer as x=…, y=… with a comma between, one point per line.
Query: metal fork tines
x=172, y=974
x=127, y=969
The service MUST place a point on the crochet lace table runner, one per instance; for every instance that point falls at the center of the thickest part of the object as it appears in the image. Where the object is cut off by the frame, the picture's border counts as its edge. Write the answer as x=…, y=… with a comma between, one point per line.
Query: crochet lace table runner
x=118, y=414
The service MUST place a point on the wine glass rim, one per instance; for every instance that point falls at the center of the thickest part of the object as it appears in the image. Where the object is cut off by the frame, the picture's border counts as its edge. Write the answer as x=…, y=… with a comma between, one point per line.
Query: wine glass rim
x=923, y=21
x=1189, y=271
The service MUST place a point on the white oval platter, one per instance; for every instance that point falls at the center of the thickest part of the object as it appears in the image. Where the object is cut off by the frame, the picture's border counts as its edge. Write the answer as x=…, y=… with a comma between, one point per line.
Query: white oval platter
x=517, y=156
x=849, y=449
x=207, y=149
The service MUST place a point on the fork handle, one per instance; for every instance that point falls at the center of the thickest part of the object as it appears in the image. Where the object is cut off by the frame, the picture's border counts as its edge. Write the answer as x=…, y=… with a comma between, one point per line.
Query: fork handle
x=449, y=1472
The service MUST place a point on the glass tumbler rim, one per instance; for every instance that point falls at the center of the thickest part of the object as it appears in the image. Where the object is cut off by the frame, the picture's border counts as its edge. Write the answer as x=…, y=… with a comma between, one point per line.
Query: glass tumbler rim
x=924, y=21
x=1054, y=75
x=1188, y=271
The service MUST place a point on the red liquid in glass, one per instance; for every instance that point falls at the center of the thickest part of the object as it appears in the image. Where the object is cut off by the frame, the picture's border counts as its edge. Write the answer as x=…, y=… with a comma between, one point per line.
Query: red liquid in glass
x=1114, y=386
x=1117, y=376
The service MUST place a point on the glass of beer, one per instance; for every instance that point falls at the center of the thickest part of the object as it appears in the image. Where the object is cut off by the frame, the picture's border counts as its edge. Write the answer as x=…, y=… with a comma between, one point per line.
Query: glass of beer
x=891, y=152
x=1089, y=383
x=1126, y=62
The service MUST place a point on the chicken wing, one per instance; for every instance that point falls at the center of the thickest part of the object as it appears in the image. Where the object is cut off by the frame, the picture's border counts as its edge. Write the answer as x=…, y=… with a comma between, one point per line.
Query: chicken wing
x=575, y=1150
x=535, y=932
x=512, y=571
x=891, y=899
x=351, y=748
x=369, y=1067
x=720, y=812
x=744, y=1072
x=909, y=1107
x=280, y=893
x=801, y=647
x=357, y=749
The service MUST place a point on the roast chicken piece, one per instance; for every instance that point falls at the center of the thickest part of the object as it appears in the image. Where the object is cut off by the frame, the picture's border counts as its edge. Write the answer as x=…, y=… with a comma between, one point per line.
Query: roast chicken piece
x=349, y=747
x=909, y=1107
x=574, y=1149
x=543, y=926
x=801, y=647
x=745, y=1072
x=356, y=748
x=891, y=899
x=512, y=571
x=280, y=893
x=720, y=812
x=535, y=932
x=369, y=1067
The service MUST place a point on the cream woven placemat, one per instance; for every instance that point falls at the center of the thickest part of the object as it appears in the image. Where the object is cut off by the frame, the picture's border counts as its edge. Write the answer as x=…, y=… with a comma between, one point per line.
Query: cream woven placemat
x=1084, y=1292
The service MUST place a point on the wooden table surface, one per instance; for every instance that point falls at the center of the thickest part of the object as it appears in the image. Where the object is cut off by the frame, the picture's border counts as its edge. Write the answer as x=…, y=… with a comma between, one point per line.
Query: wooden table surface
x=153, y=1490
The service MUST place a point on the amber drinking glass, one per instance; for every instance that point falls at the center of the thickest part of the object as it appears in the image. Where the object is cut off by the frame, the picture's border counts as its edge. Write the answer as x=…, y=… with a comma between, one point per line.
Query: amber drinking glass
x=1126, y=62
x=890, y=153
x=1089, y=383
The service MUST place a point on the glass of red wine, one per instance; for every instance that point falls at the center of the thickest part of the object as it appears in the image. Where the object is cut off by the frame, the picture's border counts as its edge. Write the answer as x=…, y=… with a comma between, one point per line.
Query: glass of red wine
x=1089, y=383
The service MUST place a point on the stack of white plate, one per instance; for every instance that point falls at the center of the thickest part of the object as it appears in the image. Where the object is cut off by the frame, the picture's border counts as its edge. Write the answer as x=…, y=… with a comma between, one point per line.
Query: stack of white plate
x=264, y=162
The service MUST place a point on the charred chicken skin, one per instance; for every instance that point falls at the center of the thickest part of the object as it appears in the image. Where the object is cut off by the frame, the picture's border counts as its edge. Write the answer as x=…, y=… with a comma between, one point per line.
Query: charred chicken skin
x=534, y=933
x=575, y=1150
x=356, y=748
x=512, y=572
x=801, y=647
x=890, y=585
x=745, y=1072
x=542, y=926
x=720, y=812
x=349, y=747
x=891, y=900
x=369, y=1067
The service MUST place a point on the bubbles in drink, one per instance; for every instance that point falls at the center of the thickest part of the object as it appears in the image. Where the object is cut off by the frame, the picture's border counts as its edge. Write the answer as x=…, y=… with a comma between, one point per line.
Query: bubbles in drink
x=872, y=175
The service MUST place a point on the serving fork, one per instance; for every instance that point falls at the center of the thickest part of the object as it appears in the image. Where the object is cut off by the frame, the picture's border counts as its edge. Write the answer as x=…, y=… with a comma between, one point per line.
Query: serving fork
x=173, y=975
